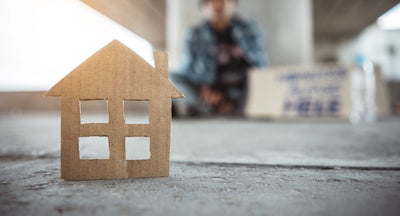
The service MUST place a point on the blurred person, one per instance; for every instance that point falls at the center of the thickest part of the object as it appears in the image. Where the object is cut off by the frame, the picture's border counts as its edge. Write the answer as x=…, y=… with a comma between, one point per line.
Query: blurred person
x=218, y=52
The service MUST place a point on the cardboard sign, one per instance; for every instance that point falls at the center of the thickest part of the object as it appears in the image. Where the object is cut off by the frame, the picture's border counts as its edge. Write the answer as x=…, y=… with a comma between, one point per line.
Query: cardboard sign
x=303, y=92
x=116, y=73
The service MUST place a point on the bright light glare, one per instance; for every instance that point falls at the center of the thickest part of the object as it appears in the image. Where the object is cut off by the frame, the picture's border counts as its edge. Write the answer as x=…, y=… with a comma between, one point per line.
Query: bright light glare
x=41, y=41
x=391, y=19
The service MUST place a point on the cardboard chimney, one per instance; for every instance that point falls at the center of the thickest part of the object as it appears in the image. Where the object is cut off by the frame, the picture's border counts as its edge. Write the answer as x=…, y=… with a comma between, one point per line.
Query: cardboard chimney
x=116, y=74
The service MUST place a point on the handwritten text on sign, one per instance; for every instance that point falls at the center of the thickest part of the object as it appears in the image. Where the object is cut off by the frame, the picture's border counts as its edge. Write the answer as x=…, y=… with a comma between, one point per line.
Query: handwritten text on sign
x=314, y=92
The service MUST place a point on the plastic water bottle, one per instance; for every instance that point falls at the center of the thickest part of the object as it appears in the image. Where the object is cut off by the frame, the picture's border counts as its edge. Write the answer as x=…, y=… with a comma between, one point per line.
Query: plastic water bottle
x=363, y=92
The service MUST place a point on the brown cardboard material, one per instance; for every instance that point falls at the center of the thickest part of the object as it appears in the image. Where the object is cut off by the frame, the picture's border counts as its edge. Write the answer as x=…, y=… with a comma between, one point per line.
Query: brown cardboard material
x=116, y=73
x=317, y=91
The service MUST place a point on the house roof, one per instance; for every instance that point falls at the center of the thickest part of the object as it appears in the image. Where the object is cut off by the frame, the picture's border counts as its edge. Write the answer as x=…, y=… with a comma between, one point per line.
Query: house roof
x=115, y=71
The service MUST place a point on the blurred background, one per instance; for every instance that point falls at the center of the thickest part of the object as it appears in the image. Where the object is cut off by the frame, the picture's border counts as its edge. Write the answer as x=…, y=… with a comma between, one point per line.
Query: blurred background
x=43, y=40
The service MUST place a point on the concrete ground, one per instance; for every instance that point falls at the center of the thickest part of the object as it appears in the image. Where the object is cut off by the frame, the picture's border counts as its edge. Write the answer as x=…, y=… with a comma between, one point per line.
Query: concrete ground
x=219, y=167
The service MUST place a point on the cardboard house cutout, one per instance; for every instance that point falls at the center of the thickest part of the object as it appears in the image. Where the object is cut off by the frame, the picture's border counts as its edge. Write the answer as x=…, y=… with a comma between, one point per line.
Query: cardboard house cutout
x=116, y=73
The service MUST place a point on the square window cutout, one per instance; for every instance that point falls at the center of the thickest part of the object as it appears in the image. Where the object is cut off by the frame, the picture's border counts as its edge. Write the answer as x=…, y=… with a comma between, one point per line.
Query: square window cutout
x=136, y=112
x=94, y=111
x=137, y=148
x=94, y=148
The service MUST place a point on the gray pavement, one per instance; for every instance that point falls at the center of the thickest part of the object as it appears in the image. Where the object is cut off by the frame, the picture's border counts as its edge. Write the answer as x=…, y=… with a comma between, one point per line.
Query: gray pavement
x=31, y=186
x=219, y=167
x=287, y=143
x=314, y=143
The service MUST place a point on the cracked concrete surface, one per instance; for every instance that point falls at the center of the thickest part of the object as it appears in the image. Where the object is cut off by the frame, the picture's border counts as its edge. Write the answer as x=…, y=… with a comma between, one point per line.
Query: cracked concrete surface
x=33, y=187
x=220, y=167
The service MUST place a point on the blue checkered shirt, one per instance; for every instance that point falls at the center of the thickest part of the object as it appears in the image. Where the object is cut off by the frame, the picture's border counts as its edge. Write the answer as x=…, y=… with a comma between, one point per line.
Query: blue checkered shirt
x=200, y=51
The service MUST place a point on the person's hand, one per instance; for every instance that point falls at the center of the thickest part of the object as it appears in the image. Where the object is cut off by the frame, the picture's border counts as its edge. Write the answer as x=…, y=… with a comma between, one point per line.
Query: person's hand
x=209, y=96
x=225, y=108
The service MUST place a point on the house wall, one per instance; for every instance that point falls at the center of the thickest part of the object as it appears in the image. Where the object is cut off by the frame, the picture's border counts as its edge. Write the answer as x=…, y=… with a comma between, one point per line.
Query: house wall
x=73, y=168
x=70, y=129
